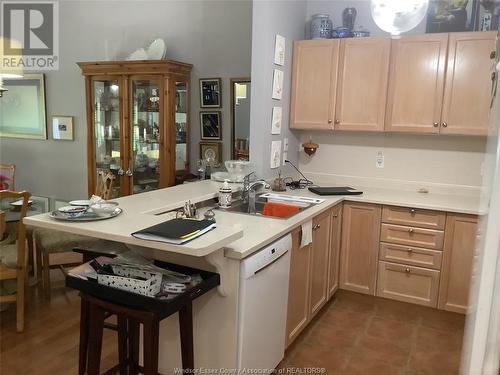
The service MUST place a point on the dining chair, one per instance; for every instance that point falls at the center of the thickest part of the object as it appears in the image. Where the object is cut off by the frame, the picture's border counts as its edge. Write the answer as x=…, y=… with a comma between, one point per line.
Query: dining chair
x=7, y=176
x=49, y=241
x=13, y=260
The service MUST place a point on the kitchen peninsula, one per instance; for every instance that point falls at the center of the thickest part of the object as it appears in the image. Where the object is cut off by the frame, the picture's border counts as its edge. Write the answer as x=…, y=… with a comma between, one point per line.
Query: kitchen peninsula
x=238, y=236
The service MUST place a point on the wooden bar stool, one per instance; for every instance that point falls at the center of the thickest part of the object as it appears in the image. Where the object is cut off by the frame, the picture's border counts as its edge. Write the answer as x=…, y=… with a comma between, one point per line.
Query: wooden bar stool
x=129, y=321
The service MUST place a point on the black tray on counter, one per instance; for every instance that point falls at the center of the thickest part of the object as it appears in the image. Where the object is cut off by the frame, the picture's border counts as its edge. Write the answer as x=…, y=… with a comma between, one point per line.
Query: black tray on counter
x=162, y=306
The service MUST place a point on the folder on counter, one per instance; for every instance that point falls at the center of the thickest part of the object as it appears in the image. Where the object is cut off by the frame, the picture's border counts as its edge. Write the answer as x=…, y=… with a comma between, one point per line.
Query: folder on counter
x=176, y=231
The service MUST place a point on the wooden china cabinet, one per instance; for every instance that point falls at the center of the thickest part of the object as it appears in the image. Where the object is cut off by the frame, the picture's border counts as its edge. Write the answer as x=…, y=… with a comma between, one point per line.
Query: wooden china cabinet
x=138, y=122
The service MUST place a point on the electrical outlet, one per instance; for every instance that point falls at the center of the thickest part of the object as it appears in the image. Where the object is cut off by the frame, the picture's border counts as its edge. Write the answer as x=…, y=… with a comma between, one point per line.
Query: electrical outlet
x=379, y=160
x=285, y=144
x=285, y=157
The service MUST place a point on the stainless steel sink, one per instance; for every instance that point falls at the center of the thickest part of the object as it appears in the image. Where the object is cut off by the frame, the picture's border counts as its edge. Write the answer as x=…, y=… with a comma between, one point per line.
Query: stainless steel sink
x=257, y=209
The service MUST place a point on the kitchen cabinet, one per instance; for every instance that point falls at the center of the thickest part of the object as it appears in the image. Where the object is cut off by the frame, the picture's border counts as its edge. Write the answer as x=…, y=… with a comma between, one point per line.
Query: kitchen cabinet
x=467, y=93
x=299, y=288
x=416, y=83
x=334, y=257
x=458, y=255
x=314, y=82
x=362, y=92
x=138, y=123
x=319, y=262
x=359, y=251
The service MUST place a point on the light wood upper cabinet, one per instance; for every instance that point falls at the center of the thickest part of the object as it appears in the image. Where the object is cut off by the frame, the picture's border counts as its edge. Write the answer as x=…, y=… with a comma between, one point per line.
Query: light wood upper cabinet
x=467, y=94
x=334, y=257
x=416, y=83
x=362, y=90
x=360, y=241
x=299, y=288
x=319, y=261
x=458, y=255
x=314, y=80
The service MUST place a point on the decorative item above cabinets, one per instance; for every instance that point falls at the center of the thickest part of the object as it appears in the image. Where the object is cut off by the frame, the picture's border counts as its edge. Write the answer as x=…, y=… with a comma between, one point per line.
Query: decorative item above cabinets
x=431, y=83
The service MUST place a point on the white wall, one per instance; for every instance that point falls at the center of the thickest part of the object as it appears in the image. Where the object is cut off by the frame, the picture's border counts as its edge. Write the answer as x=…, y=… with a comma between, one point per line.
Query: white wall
x=421, y=158
x=214, y=36
x=270, y=18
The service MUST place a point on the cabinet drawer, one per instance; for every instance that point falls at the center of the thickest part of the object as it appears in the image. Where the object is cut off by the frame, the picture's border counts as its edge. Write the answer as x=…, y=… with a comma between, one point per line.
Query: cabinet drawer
x=419, y=237
x=413, y=217
x=410, y=255
x=408, y=284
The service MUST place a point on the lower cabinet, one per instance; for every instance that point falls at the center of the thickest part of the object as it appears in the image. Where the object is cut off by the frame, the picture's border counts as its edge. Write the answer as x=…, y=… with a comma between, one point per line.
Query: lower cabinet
x=335, y=242
x=458, y=255
x=408, y=284
x=359, y=251
x=298, y=288
x=319, y=262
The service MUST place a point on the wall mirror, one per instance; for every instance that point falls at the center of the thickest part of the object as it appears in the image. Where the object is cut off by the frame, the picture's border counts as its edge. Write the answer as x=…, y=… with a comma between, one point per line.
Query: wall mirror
x=240, y=118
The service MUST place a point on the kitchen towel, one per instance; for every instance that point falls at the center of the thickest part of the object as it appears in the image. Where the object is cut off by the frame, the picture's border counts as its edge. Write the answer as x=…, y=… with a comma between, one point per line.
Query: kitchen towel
x=307, y=233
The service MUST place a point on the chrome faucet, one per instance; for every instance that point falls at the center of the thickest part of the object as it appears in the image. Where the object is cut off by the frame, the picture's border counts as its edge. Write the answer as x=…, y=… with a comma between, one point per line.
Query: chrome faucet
x=249, y=188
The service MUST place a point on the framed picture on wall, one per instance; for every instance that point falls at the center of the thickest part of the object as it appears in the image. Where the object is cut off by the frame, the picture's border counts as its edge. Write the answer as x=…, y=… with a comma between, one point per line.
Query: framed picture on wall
x=210, y=125
x=276, y=120
x=22, y=108
x=210, y=93
x=62, y=128
x=445, y=16
x=279, y=50
x=277, y=84
x=41, y=203
x=211, y=151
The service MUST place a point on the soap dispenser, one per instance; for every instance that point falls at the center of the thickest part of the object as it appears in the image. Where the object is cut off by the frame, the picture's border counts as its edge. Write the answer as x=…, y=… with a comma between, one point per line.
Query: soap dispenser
x=225, y=195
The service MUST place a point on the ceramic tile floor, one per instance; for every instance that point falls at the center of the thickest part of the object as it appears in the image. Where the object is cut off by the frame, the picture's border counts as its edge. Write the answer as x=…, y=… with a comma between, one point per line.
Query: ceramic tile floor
x=359, y=334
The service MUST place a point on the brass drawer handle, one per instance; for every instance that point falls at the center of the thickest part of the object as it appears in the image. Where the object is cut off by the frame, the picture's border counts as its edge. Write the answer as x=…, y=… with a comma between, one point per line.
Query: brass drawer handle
x=407, y=270
x=410, y=251
x=410, y=230
x=412, y=210
x=436, y=124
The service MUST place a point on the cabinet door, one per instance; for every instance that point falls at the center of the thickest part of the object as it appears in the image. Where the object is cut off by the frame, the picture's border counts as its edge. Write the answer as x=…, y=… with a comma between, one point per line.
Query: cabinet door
x=106, y=146
x=458, y=255
x=334, y=257
x=360, y=240
x=314, y=79
x=362, y=92
x=319, y=261
x=467, y=94
x=298, y=289
x=146, y=164
x=416, y=83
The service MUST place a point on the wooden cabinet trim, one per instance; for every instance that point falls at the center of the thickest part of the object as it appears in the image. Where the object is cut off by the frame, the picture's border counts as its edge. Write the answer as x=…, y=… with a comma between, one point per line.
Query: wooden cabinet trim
x=334, y=255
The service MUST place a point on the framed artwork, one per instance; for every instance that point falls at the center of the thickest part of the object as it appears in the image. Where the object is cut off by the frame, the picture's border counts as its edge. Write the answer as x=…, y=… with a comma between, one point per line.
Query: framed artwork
x=276, y=121
x=211, y=151
x=210, y=125
x=22, y=108
x=279, y=50
x=210, y=93
x=444, y=16
x=277, y=84
x=62, y=128
x=41, y=202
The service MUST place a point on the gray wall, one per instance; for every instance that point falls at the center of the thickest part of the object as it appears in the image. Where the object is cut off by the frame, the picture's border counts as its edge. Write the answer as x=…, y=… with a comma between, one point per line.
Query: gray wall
x=270, y=18
x=214, y=36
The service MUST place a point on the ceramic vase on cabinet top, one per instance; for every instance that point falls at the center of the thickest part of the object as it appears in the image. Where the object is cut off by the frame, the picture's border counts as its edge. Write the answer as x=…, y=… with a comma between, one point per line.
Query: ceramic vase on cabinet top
x=321, y=26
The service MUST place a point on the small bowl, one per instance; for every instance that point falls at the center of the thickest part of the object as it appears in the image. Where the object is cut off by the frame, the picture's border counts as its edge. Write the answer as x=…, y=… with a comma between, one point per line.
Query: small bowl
x=341, y=32
x=104, y=208
x=72, y=211
x=237, y=168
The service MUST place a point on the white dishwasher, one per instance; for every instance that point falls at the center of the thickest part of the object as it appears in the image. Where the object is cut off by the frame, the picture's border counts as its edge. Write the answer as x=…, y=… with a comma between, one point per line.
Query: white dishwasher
x=262, y=307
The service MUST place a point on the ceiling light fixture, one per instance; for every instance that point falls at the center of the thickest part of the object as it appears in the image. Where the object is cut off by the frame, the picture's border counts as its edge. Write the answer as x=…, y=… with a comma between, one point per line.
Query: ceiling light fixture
x=398, y=16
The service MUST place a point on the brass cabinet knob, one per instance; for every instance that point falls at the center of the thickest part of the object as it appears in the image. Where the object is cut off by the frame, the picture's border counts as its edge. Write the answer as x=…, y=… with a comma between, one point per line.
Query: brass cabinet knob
x=329, y=121
x=410, y=250
x=412, y=210
x=493, y=54
x=337, y=121
x=444, y=124
x=316, y=227
x=436, y=124
x=407, y=270
x=410, y=230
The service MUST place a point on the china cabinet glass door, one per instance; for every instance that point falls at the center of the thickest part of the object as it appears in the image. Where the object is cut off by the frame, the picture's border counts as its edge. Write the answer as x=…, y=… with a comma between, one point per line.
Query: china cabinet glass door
x=147, y=118
x=107, y=127
x=181, y=126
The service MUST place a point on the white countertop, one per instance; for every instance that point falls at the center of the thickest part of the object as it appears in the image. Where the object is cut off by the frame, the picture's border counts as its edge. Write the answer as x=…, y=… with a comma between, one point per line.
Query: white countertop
x=240, y=235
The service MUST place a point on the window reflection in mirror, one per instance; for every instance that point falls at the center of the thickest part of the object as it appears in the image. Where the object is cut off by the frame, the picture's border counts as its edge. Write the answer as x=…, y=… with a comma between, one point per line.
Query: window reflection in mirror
x=240, y=118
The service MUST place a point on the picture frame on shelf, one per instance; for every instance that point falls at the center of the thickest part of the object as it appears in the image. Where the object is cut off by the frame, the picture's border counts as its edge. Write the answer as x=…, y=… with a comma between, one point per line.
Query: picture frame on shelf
x=279, y=50
x=43, y=202
x=210, y=93
x=210, y=125
x=211, y=151
x=278, y=77
x=62, y=128
x=276, y=120
x=23, y=108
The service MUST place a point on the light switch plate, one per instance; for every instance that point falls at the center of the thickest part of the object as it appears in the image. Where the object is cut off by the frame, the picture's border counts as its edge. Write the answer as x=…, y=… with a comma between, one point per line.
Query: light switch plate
x=285, y=157
x=285, y=144
x=275, y=161
x=379, y=160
